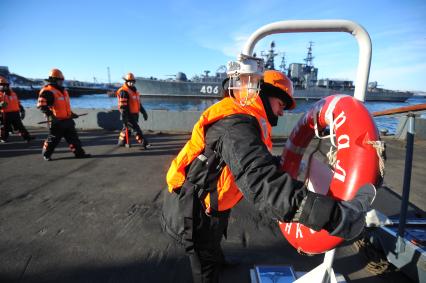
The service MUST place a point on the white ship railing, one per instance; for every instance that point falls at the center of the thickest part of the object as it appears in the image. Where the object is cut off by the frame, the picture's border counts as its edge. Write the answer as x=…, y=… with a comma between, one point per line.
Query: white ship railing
x=297, y=26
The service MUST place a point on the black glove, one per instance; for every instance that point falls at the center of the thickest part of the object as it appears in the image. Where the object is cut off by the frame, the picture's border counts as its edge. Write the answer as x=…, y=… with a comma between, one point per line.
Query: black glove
x=49, y=115
x=343, y=219
x=352, y=213
x=52, y=119
x=73, y=115
x=315, y=211
x=22, y=113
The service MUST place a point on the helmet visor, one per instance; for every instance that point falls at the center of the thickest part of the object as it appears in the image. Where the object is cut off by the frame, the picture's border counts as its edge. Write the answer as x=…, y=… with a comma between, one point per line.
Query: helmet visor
x=244, y=88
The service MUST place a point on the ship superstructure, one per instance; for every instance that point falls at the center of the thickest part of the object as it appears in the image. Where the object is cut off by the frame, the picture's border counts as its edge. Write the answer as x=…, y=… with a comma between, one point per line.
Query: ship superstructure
x=304, y=75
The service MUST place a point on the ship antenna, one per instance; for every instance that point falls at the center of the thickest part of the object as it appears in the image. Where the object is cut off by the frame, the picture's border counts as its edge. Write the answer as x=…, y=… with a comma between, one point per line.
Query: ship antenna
x=109, y=76
x=309, y=58
x=269, y=57
x=309, y=71
x=283, y=67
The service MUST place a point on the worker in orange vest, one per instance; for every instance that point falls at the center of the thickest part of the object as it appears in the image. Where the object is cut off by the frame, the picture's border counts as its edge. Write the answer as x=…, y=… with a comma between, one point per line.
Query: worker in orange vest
x=130, y=105
x=54, y=102
x=229, y=156
x=12, y=113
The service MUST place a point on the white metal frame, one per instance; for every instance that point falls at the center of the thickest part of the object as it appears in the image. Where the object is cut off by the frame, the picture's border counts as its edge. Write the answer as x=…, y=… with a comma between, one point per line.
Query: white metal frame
x=298, y=26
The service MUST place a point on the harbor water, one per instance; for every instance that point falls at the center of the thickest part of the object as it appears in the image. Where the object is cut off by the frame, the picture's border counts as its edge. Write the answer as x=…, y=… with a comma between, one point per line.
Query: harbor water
x=94, y=101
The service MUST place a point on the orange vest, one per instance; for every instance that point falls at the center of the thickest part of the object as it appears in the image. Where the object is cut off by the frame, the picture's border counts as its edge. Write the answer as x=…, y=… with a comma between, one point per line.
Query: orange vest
x=228, y=192
x=11, y=100
x=61, y=107
x=134, y=99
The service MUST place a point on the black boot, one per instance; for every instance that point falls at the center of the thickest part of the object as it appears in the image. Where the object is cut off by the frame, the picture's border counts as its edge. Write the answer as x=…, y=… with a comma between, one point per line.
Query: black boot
x=83, y=155
x=47, y=158
x=29, y=139
x=121, y=142
x=146, y=144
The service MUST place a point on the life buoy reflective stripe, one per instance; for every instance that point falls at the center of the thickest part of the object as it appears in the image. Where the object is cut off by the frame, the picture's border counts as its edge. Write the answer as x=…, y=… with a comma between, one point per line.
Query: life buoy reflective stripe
x=356, y=162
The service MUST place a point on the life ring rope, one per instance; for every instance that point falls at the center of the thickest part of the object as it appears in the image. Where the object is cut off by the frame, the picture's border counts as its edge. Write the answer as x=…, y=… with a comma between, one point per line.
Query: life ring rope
x=380, y=150
x=329, y=116
x=378, y=145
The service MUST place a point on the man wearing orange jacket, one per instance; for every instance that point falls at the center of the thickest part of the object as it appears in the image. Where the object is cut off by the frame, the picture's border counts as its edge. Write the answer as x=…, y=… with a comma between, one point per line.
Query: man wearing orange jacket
x=130, y=105
x=228, y=157
x=12, y=113
x=54, y=102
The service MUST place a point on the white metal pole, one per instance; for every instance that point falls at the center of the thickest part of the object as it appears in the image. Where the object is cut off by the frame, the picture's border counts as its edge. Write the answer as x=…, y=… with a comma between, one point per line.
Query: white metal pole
x=297, y=26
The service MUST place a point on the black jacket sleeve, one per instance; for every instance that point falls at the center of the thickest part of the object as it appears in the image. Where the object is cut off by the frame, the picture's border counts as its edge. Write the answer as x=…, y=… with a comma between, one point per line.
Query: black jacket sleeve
x=143, y=111
x=124, y=108
x=254, y=168
x=48, y=96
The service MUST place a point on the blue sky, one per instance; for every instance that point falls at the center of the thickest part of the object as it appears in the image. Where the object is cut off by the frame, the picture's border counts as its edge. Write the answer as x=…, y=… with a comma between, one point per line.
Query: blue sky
x=160, y=38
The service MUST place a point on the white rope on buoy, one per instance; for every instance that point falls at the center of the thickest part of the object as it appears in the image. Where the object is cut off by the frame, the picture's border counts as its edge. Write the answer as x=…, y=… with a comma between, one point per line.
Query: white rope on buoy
x=379, y=146
x=332, y=156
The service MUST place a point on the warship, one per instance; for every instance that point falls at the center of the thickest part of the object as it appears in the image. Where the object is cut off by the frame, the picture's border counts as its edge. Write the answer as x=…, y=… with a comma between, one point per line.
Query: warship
x=303, y=75
x=27, y=88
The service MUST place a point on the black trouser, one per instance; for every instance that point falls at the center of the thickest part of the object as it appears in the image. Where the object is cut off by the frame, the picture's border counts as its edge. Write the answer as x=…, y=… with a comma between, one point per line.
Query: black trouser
x=12, y=122
x=131, y=123
x=59, y=129
x=207, y=257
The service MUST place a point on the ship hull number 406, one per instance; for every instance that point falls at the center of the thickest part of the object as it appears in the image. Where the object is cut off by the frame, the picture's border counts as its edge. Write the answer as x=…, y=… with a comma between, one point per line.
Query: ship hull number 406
x=209, y=89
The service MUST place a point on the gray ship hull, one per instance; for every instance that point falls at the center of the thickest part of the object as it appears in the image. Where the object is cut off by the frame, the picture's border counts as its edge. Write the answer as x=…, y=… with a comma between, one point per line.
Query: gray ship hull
x=153, y=87
x=379, y=95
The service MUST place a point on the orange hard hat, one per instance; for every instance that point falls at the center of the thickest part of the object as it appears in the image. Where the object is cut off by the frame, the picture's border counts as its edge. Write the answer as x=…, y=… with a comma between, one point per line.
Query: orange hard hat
x=283, y=83
x=56, y=74
x=3, y=81
x=129, y=77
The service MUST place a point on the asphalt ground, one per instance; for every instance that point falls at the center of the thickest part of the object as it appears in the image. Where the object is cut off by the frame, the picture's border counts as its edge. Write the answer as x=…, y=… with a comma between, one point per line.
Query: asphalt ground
x=97, y=219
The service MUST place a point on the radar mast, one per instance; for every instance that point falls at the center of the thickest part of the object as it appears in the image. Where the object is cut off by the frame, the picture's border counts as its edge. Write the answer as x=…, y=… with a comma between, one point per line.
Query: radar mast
x=269, y=57
x=283, y=67
x=309, y=58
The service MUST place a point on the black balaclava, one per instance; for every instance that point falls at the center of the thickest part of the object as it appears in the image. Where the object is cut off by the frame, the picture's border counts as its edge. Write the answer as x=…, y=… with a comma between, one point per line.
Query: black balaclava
x=133, y=87
x=266, y=91
x=273, y=120
x=54, y=82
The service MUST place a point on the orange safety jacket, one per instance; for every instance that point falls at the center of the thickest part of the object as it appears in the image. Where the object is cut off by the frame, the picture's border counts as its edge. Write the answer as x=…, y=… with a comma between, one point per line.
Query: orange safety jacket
x=228, y=193
x=61, y=107
x=11, y=100
x=133, y=101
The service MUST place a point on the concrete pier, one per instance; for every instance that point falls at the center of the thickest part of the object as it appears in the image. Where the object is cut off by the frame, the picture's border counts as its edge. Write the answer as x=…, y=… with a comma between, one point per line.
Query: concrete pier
x=158, y=121
x=97, y=219
x=183, y=121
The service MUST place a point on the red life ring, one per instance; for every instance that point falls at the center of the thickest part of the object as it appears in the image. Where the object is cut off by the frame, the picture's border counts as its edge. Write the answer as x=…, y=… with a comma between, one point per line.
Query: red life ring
x=357, y=162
